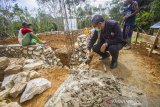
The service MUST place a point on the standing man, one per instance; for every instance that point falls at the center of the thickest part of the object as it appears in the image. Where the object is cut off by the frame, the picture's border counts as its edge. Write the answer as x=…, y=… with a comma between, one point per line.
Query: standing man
x=129, y=21
x=109, y=37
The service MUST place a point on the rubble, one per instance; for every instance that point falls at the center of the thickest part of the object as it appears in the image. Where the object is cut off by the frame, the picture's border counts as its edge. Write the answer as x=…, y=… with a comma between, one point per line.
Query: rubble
x=87, y=88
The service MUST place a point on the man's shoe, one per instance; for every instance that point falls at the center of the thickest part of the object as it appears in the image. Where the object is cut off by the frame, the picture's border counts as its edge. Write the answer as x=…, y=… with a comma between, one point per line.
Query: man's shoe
x=104, y=57
x=127, y=47
x=114, y=65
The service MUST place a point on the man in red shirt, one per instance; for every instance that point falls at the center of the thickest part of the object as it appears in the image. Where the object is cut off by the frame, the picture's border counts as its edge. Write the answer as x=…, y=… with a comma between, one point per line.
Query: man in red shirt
x=26, y=36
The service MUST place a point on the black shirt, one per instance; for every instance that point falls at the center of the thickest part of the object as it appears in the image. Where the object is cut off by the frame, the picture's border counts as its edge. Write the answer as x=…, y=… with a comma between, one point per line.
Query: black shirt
x=111, y=34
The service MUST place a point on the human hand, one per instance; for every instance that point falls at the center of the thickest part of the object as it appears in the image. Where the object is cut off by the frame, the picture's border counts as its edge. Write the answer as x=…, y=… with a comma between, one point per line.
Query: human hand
x=125, y=17
x=88, y=53
x=103, y=47
x=89, y=56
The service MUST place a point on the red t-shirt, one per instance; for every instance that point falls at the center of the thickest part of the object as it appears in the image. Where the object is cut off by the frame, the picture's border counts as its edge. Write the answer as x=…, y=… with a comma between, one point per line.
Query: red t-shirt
x=25, y=30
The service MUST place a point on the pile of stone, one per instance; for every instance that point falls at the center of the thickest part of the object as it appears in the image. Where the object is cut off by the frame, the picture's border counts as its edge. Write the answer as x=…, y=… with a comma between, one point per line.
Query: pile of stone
x=79, y=54
x=92, y=88
x=38, y=52
x=21, y=77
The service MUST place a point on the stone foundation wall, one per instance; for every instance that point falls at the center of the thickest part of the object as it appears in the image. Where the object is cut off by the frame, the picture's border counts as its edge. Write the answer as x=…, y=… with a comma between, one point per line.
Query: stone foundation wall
x=41, y=52
x=79, y=55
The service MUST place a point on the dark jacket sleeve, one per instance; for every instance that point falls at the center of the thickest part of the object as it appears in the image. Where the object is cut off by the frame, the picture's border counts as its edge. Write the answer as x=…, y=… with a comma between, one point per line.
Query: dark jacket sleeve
x=118, y=37
x=92, y=40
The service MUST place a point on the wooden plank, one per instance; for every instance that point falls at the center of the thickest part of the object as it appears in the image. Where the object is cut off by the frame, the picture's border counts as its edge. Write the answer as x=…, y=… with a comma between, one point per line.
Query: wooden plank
x=148, y=38
x=155, y=43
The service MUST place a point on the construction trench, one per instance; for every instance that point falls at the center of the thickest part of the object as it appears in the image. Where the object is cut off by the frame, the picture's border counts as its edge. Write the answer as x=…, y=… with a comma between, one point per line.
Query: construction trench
x=72, y=83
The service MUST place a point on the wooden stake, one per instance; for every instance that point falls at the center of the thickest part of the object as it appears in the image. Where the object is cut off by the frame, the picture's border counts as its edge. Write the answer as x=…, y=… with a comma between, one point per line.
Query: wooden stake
x=155, y=42
x=137, y=35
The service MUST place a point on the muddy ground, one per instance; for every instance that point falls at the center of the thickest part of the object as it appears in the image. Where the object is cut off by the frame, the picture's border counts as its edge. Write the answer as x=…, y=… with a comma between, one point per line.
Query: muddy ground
x=135, y=69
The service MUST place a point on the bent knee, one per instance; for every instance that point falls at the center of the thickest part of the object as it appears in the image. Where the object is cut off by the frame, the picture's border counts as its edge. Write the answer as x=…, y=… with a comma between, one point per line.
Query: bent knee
x=113, y=49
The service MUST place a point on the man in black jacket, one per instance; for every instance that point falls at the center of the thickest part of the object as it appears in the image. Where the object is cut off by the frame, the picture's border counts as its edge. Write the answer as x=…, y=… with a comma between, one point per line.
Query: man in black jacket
x=108, y=37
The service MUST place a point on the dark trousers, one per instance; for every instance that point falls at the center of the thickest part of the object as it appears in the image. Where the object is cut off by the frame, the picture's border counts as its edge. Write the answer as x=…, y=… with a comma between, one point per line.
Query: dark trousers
x=127, y=33
x=113, y=50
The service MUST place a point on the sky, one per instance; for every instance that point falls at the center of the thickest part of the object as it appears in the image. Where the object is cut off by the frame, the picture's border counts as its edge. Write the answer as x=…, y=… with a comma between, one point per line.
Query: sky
x=31, y=4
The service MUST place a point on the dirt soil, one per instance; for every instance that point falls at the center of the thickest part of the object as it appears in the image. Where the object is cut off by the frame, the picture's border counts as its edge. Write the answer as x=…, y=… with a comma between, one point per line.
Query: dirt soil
x=11, y=40
x=55, y=41
x=137, y=69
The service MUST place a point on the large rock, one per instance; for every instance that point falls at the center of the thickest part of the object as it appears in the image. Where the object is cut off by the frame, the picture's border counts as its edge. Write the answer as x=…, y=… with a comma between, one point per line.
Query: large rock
x=8, y=82
x=4, y=62
x=35, y=86
x=13, y=69
x=20, y=83
x=33, y=66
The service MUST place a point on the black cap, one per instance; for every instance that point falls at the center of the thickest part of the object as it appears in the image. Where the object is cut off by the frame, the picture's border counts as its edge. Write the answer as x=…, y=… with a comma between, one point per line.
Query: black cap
x=26, y=24
x=97, y=18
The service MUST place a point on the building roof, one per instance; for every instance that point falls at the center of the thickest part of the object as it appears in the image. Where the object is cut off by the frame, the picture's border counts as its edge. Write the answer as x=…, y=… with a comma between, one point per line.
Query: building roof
x=155, y=26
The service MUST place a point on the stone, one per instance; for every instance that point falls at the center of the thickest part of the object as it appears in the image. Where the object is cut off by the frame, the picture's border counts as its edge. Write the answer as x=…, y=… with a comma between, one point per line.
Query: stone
x=4, y=62
x=17, y=89
x=55, y=63
x=35, y=86
x=31, y=48
x=38, y=53
x=48, y=50
x=4, y=93
x=33, y=66
x=11, y=104
x=30, y=52
x=13, y=69
x=20, y=61
x=8, y=82
x=25, y=51
x=66, y=67
x=39, y=48
x=83, y=66
x=20, y=82
x=34, y=74
x=29, y=61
